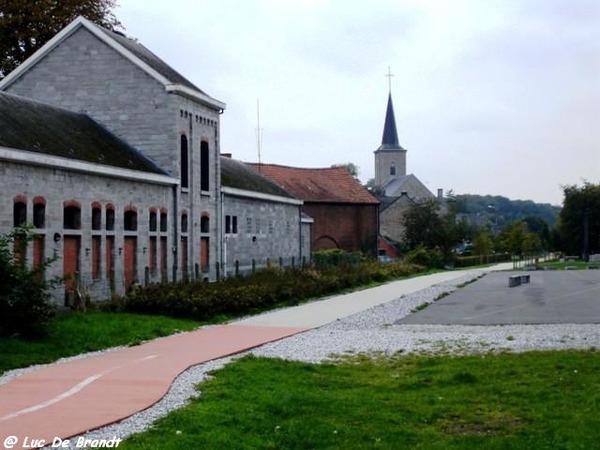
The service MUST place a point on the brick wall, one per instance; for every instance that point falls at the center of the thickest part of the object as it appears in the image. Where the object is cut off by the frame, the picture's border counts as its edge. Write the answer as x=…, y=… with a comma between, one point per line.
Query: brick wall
x=351, y=227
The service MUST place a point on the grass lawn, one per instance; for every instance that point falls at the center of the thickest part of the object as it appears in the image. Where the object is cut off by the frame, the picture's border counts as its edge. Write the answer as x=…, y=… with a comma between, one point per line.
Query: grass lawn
x=76, y=333
x=538, y=400
x=561, y=265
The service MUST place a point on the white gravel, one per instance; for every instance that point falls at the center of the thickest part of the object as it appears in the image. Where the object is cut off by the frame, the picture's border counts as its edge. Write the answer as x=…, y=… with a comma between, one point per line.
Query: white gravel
x=375, y=331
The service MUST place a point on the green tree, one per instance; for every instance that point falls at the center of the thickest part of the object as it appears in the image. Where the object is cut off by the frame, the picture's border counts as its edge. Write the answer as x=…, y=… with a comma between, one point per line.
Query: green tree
x=25, y=307
x=350, y=167
x=483, y=245
x=25, y=26
x=426, y=227
x=579, y=220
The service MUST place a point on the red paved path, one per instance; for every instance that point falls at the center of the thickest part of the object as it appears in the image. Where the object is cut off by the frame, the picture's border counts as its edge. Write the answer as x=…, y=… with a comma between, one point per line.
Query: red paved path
x=70, y=398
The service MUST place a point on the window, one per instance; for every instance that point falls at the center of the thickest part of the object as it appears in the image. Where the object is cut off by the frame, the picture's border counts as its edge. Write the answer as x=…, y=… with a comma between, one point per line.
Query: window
x=204, y=224
x=153, y=254
x=393, y=168
x=184, y=222
x=204, y=168
x=257, y=225
x=163, y=220
x=19, y=213
x=71, y=216
x=249, y=225
x=234, y=228
x=96, y=217
x=96, y=252
x=39, y=212
x=184, y=162
x=227, y=224
x=152, y=220
x=110, y=217
x=130, y=220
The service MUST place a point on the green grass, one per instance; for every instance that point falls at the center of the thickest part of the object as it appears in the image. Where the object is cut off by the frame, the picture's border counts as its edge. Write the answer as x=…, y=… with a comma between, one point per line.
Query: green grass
x=540, y=400
x=561, y=265
x=75, y=333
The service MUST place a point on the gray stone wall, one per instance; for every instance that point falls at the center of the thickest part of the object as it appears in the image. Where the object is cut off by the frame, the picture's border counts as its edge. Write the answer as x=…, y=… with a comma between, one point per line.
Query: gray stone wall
x=264, y=230
x=391, y=219
x=85, y=75
x=57, y=186
x=383, y=162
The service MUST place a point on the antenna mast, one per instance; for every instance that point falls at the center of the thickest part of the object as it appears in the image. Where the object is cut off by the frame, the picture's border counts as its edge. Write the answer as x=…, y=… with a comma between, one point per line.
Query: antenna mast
x=258, y=133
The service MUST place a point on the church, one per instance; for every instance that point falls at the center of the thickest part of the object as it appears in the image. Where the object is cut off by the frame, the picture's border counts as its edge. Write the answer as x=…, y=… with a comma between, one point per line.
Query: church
x=114, y=158
x=394, y=188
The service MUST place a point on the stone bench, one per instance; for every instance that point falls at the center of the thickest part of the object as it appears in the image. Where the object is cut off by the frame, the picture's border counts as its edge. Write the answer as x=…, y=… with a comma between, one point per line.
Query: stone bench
x=518, y=280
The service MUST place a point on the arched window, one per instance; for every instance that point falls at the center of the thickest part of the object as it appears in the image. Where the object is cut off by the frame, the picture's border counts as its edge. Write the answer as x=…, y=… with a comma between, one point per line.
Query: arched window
x=163, y=220
x=184, y=162
x=184, y=222
x=204, y=167
x=71, y=216
x=110, y=217
x=96, y=216
x=19, y=212
x=130, y=219
x=39, y=212
x=393, y=168
x=204, y=224
x=152, y=220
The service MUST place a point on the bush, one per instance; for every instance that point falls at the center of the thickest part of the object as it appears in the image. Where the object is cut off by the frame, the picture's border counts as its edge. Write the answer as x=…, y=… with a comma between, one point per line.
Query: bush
x=25, y=307
x=433, y=259
x=263, y=290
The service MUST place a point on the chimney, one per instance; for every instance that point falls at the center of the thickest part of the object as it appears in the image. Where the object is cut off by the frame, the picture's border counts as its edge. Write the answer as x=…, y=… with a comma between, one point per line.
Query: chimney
x=440, y=195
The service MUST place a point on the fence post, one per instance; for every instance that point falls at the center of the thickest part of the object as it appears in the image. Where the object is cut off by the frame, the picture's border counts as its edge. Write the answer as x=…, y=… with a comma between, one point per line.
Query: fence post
x=293, y=262
x=253, y=265
x=146, y=276
x=237, y=267
x=280, y=261
x=268, y=263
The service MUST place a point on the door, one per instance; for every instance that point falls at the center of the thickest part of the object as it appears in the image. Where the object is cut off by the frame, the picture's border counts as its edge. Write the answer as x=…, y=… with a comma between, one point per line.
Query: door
x=71, y=248
x=129, y=262
x=204, y=254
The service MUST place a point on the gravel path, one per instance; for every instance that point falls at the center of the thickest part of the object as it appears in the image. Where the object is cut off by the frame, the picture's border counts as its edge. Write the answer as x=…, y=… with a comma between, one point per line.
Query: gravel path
x=374, y=330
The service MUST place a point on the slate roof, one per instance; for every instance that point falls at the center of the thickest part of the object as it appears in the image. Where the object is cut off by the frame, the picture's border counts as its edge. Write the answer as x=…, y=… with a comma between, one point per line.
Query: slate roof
x=236, y=174
x=151, y=59
x=40, y=128
x=332, y=185
x=389, y=140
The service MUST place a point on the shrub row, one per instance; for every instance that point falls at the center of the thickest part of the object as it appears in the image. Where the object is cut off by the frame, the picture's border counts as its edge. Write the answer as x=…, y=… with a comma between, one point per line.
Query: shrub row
x=263, y=290
x=467, y=261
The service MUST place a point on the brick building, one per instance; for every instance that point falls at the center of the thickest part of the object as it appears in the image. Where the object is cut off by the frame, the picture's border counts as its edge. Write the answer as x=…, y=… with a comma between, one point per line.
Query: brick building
x=345, y=214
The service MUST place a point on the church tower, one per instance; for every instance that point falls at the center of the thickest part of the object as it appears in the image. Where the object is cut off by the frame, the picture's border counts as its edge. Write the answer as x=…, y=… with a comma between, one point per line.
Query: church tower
x=390, y=157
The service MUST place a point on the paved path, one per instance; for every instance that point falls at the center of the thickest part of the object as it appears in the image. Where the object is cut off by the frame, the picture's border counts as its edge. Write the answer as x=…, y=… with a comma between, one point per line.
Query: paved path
x=563, y=296
x=70, y=398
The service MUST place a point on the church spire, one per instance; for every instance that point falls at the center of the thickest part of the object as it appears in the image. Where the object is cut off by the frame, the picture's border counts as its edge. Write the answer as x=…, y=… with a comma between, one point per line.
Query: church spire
x=389, y=141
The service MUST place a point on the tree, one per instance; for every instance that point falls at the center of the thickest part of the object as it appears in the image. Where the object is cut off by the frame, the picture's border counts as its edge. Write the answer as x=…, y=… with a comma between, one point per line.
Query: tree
x=25, y=307
x=25, y=26
x=483, y=245
x=350, y=167
x=425, y=226
x=579, y=220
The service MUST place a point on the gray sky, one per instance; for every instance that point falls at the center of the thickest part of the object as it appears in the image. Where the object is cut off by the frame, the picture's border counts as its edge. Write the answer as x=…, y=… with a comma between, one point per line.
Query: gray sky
x=494, y=97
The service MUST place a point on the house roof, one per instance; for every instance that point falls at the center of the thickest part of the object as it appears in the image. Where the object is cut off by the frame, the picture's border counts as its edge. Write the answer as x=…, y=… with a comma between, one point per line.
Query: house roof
x=236, y=174
x=334, y=185
x=389, y=140
x=40, y=128
x=135, y=52
x=395, y=185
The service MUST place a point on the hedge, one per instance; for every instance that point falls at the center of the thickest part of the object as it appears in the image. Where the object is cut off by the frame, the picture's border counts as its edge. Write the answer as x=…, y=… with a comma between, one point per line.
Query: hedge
x=263, y=290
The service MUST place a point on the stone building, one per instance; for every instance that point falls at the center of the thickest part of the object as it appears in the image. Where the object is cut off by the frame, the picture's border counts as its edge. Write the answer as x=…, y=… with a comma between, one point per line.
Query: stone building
x=115, y=157
x=344, y=212
x=394, y=188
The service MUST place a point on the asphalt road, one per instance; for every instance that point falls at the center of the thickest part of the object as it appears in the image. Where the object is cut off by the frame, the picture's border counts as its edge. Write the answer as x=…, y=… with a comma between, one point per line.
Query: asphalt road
x=551, y=297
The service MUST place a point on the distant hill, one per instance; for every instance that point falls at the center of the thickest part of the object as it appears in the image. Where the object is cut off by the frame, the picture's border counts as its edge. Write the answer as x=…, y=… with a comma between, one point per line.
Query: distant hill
x=501, y=210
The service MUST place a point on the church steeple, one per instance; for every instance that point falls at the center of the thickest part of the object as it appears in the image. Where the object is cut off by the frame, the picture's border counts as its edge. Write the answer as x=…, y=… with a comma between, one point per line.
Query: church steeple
x=389, y=140
x=390, y=157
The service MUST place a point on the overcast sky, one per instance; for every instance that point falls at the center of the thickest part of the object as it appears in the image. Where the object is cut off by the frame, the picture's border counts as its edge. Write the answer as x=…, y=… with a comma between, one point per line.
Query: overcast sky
x=494, y=97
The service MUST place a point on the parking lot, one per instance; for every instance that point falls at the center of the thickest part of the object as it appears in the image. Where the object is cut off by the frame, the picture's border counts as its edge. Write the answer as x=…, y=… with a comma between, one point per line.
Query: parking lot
x=551, y=297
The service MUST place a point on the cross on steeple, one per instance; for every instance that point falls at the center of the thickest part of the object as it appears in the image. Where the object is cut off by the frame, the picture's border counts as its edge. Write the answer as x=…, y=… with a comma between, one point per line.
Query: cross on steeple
x=389, y=76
